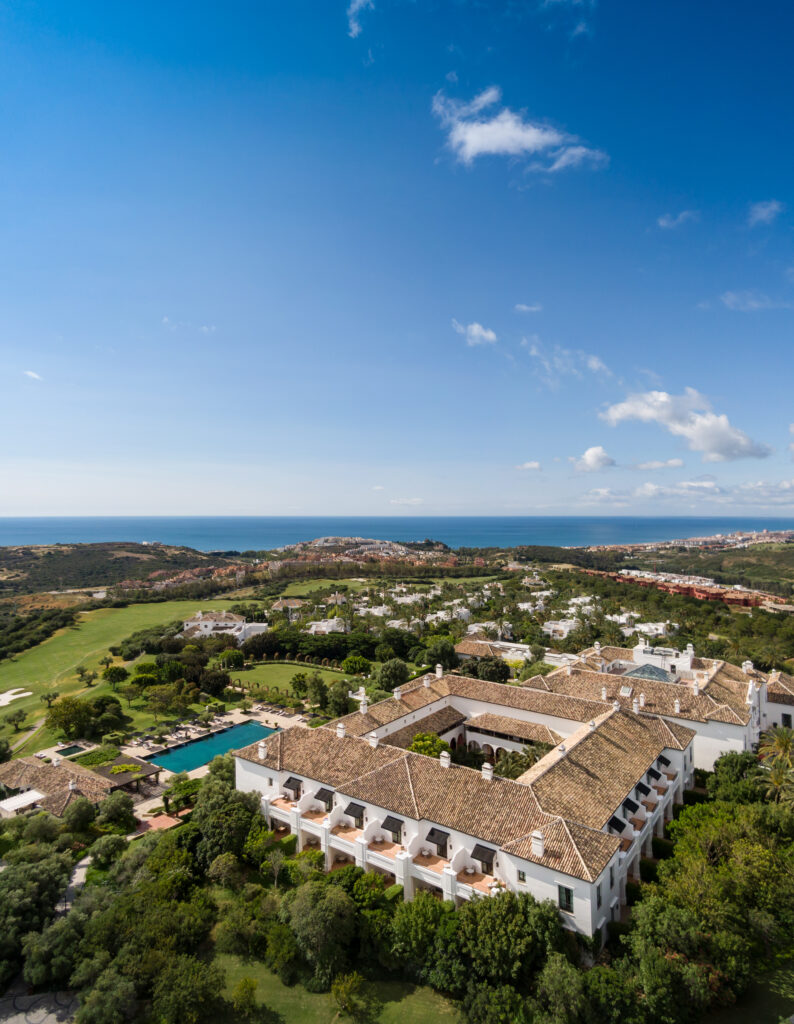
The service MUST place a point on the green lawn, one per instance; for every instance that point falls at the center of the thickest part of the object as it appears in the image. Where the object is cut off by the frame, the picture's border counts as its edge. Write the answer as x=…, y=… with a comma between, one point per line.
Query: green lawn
x=768, y=1000
x=302, y=588
x=51, y=665
x=272, y=674
x=403, y=1003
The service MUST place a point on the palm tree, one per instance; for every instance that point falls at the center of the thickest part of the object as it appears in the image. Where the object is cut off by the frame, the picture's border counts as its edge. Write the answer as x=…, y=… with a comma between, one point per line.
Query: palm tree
x=777, y=746
x=512, y=763
x=777, y=783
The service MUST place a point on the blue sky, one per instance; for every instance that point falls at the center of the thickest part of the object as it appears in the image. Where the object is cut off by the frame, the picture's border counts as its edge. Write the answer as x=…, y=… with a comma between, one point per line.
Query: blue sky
x=406, y=256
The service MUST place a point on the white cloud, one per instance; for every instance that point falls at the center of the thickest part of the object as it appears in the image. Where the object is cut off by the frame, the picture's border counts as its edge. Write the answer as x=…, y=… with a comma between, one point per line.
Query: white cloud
x=593, y=460
x=529, y=465
x=523, y=307
x=354, y=9
x=451, y=76
x=207, y=328
x=750, y=301
x=762, y=494
x=605, y=496
x=378, y=487
x=765, y=212
x=471, y=134
x=660, y=464
x=553, y=364
x=690, y=417
x=406, y=501
x=474, y=333
x=32, y=374
x=669, y=220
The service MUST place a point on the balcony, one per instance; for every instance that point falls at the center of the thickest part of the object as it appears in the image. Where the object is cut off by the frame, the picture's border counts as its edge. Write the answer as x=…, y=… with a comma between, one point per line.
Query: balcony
x=648, y=804
x=385, y=847
x=431, y=862
x=347, y=832
x=637, y=824
x=315, y=815
x=281, y=804
x=477, y=880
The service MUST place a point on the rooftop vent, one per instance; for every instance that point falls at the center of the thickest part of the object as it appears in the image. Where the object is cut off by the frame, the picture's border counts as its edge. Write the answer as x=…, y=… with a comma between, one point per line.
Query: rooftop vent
x=487, y=771
x=363, y=706
x=439, y=671
x=635, y=705
x=642, y=700
x=426, y=682
x=445, y=759
x=616, y=705
x=397, y=692
x=261, y=750
x=340, y=730
x=677, y=706
x=603, y=693
x=373, y=740
x=538, y=846
x=592, y=724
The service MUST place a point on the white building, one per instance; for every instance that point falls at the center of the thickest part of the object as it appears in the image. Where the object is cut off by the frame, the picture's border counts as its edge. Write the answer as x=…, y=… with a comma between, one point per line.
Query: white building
x=325, y=626
x=560, y=629
x=204, y=624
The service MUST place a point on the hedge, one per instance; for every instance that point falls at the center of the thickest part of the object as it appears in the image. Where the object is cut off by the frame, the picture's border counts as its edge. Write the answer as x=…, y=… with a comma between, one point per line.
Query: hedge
x=662, y=848
x=648, y=872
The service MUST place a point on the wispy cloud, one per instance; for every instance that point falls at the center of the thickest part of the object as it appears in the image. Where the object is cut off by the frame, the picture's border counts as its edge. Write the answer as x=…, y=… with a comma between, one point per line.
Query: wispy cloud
x=690, y=417
x=592, y=460
x=207, y=328
x=529, y=465
x=474, y=333
x=354, y=9
x=751, y=301
x=668, y=220
x=472, y=133
x=703, y=491
x=406, y=501
x=32, y=374
x=378, y=487
x=552, y=364
x=660, y=464
x=764, y=212
x=523, y=307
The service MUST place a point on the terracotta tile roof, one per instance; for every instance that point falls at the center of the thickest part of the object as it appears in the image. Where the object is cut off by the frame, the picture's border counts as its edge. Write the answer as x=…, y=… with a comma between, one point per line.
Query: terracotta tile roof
x=416, y=696
x=437, y=721
x=472, y=647
x=532, y=732
x=53, y=781
x=659, y=697
x=497, y=811
x=780, y=688
x=601, y=765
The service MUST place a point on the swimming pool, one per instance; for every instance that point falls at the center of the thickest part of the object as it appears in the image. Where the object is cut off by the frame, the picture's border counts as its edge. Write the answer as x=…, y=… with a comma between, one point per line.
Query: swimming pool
x=195, y=753
x=68, y=751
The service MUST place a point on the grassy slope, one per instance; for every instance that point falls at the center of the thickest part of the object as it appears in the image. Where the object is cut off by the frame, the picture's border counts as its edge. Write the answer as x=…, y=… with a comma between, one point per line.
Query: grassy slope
x=279, y=675
x=403, y=1002
x=51, y=665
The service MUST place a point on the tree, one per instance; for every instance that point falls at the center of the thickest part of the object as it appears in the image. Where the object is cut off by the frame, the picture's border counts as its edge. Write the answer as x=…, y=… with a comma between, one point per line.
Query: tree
x=777, y=782
x=186, y=991
x=736, y=778
x=317, y=691
x=354, y=998
x=494, y=670
x=111, y=1000
x=5, y=750
x=392, y=673
x=512, y=763
x=244, y=998
x=117, y=809
x=777, y=746
x=323, y=918
x=428, y=743
x=107, y=849
x=131, y=692
x=115, y=675
x=79, y=815
x=442, y=652
x=160, y=700
x=232, y=659
x=225, y=870
x=70, y=716
x=299, y=684
x=356, y=665
x=274, y=861
x=41, y=828
x=16, y=718
x=50, y=698
x=337, y=702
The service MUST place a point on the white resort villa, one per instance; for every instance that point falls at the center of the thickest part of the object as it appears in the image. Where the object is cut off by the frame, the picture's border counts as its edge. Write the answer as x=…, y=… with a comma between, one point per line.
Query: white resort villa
x=627, y=728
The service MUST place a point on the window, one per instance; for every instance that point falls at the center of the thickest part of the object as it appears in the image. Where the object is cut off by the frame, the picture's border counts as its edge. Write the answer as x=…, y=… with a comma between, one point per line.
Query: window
x=786, y=720
x=611, y=876
x=565, y=899
x=598, y=895
x=522, y=876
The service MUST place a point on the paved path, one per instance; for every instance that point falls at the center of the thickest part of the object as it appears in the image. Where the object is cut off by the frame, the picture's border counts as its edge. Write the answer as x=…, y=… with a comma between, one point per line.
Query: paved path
x=17, y=1007
x=76, y=883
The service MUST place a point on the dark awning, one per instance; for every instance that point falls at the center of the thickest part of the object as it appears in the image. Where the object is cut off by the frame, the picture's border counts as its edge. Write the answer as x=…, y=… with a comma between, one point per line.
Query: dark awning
x=630, y=806
x=324, y=795
x=483, y=853
x=665, y=761
x=437, y=837
x=616, y=823
x=293, y=784
x=392, y=824
x=653, y=774
x=642, y=788
x=355, y=810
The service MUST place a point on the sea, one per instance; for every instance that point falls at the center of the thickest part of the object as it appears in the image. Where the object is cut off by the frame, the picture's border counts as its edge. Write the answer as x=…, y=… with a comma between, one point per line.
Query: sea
x=264, y=533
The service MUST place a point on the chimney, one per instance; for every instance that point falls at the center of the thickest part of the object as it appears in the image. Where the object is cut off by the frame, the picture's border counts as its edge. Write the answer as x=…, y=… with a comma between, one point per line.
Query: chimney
x=363, y=706
x=538, y=846
x=261, y=750
x=373, y=740
x=72, y=785
x=695, y=688
x=603, y=693
x=487, y=771
x=591, y=724
x=397, y=692
x=426, y=682
x=677, y=706
x=56, y=760
x=747, y=667
x=340, y=730
x=690, y=649
x=561, y=748
x=635, y=705
x=642, y=700
x=597, y=647
x=439, y=671
x=444, y=759
x=616, y=705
